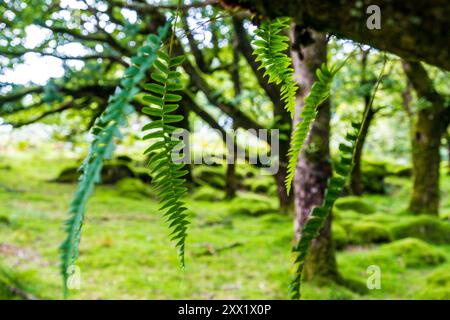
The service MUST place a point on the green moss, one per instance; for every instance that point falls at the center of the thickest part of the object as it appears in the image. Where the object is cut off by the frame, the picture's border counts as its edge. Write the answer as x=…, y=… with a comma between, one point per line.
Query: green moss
x=134, y=188
x=434, y=294
x=206, y=193
x=213, y=176
x=143, y=175
x=404, y=172
x=355, y=204
x=368, y=232
x=340, y=237
x=244, y=171
x=373, y=174
x=415, y=253
x=124, y=239
x=259, y=184
x=12, y=285
x=124, y=158
x=4, y=220
x=250, y=207
x=440, y=278
x=111, y=173
x=427, y=228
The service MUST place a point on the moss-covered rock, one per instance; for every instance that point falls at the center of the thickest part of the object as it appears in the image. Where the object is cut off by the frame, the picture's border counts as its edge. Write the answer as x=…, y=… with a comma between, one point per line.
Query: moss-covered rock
x=259, y=184
x=110, y=174
x=440, y=278
x=412, y=252
x=251, y=207
x=124, y=158
x=438, y=285
x=113, y=172
x=373, y=174
x=427, y=228
x=206, y=193
x=143, y=175
x=213, y=176
x=355, y=204
x=340, y=237
x=4, y=220
x=134, y=188
x=404, y=172
x=244, y=171
x=434, y=293
x=368, y=232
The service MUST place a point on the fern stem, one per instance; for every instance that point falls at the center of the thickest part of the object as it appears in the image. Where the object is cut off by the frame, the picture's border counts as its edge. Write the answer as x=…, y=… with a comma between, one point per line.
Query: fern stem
x=334, y=189
x=105, y=129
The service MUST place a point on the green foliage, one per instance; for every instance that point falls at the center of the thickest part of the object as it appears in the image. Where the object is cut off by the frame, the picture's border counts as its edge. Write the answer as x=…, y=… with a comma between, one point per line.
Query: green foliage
x=440, y=278
x=355, y=204
x=106, y=128
x=260, y=184
x=134, y=188
x=369, y=232
x=206, y=193
x=253, y=207
x=166, y=171
x=427, y=228
x=110, y=173
x=271, y=48
x=213, y=176
x=319, y=214
x=414, y=253
x=123, y=241
x=340, y=236
x=319, y=93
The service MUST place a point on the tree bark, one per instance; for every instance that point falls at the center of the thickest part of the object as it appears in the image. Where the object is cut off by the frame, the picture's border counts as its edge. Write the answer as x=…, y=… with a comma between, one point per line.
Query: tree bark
x=414, y=29
x=427, y=129
x=314, y=165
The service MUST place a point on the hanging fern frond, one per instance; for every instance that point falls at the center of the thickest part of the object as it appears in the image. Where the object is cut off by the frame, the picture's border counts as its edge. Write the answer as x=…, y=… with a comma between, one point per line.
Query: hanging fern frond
x=320, y=91
x=319, y=214
x=270, y=49
x=167, y=174
x=106, y=128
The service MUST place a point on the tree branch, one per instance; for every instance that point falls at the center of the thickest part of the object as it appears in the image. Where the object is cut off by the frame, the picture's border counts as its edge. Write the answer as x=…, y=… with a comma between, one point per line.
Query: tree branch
x=414, y=29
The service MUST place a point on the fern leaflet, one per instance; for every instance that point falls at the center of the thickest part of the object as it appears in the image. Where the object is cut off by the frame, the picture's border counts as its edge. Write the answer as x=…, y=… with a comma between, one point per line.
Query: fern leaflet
x=319, y=214
x=271, y=47
x=167, y=175
x=106, y=128
x=320, y=91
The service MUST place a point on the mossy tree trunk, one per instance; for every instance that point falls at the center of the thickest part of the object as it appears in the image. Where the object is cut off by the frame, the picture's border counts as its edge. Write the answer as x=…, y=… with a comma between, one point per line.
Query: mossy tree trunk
x=314, y=165
x=429, y=124
x=425, y=143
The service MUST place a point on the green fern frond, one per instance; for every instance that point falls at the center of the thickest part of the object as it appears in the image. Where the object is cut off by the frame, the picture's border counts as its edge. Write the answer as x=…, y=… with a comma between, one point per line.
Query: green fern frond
x=106, y=128
x=319, y=214
x=167, y=175
x=320, y=91
x=270, y=49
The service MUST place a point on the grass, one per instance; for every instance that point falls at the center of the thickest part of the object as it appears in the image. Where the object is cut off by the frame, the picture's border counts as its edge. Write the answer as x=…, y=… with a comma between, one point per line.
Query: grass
x=125, y=252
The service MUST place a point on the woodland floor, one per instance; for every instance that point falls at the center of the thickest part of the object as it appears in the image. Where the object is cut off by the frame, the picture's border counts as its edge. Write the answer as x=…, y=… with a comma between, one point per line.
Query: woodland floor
x=125, y=252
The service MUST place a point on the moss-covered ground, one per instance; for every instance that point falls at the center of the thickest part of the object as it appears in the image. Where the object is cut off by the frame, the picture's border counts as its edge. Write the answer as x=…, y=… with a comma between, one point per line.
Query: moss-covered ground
x=236, y=249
